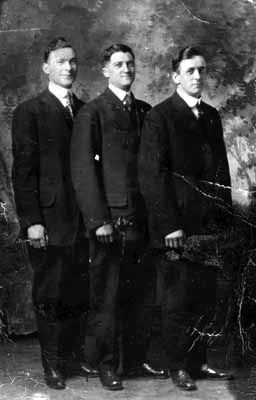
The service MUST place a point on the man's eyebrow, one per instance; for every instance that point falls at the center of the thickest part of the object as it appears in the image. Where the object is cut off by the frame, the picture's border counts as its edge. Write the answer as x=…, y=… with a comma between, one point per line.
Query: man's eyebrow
x=64, y=58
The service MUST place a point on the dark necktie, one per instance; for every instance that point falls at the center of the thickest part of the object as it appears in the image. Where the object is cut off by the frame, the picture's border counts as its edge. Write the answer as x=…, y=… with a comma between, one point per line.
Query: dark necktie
x=199, y=110
x=127, y=102
x=69, y=104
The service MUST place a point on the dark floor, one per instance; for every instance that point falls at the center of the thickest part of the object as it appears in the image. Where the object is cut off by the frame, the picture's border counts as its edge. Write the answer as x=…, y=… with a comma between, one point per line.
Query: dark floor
x=21, y=379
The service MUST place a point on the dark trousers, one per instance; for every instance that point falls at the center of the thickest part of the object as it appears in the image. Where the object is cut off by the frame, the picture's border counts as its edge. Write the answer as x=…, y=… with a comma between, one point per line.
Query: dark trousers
x=188, y=300
x=121, y=298
x=60, y=297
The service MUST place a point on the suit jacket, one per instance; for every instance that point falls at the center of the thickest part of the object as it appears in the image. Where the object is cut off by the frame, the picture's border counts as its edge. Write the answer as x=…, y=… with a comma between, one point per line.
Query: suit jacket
x=183, y=169
x=104, y=156
x=43, y=190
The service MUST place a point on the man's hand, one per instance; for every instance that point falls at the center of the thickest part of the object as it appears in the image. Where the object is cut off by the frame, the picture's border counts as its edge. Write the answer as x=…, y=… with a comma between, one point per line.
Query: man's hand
x=175, y=240
x=105, y=233
x=37, y=236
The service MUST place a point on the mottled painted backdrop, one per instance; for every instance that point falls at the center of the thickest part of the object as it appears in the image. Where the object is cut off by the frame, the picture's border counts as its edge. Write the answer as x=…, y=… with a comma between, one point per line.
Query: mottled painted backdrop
x=156, y=30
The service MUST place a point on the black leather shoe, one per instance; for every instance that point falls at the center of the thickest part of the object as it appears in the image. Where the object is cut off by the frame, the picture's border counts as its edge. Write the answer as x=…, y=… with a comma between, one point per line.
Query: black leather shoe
x=87, y=370
x=81, y=369
x=147, y=371
x=210, y=373
x=183, y=380
x=109, y=379
x=54, y=379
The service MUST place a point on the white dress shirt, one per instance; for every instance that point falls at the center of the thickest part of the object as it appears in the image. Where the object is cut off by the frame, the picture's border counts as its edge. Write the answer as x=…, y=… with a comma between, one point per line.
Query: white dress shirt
x=61, y=93
x=191, y=101
x=120, y=93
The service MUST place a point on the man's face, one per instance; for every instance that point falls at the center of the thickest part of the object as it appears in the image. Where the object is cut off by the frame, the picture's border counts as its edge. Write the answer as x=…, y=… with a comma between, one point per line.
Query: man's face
x=190, y=75
x=61, y=67
x=120, y=70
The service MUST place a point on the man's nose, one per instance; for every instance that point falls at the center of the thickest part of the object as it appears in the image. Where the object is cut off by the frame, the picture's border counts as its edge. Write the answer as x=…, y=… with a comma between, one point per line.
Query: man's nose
x=197, y=74
x=68, y=66
x=126, y=68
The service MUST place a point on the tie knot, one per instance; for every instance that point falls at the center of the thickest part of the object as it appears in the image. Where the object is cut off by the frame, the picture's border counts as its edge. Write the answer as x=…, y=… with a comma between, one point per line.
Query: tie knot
x=69, y=104
x=199, y=109
x=69, y=99
x=127, y=101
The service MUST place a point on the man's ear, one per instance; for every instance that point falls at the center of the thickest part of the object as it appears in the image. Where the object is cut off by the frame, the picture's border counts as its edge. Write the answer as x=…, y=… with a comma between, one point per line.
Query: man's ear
x=176, y=77
x=45, y=68
x=105, y=71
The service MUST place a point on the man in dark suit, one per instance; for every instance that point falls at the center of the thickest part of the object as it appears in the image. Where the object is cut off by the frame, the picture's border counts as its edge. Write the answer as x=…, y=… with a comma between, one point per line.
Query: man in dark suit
x=185, y=181
x=104, y=151
x=49, y=215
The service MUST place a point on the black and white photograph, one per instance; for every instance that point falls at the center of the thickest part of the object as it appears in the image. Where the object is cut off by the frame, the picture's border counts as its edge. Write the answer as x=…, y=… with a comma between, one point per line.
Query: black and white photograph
x=127, y=199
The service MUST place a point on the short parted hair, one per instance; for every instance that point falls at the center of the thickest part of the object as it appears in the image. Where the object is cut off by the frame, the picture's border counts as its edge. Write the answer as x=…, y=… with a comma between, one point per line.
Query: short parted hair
x=114, y=48
x=55, y=44
x=185, y=54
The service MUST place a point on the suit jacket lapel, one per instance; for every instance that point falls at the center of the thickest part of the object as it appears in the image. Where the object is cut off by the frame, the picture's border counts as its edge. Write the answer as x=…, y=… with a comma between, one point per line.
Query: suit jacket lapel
x=207, y=118
x=140, y=114
x=182, y=107
x=55, y=104
x=184, y=117
x=125, y=117
x=77, y=104
x=121, y=116
x=112, y=99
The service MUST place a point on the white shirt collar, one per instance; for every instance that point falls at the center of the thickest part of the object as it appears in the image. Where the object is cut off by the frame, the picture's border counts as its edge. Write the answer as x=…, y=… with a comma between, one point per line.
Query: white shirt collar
x=189, y=100
x=59, y=91
x=120, y=93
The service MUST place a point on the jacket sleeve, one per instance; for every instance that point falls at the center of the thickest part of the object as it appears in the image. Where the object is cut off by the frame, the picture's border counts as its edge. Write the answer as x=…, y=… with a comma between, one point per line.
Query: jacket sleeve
x=156, y=180
x=26, y=165
x=86, y=168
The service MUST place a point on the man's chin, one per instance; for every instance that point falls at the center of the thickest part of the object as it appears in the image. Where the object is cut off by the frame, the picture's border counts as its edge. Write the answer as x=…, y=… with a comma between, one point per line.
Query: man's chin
x=196, y=94
x=197, y=91
x=67, y=85
x=126, y=85
x=126, y=88
x=68, y=81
